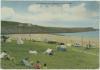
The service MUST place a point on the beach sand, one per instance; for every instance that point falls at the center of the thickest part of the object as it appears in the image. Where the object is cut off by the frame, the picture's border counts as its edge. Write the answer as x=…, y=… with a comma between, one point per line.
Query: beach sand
x=57, y=38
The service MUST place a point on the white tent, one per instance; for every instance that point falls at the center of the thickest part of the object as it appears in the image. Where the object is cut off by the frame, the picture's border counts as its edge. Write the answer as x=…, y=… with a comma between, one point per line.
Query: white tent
x=69, y=44
x=9, y=40
x=20, y=41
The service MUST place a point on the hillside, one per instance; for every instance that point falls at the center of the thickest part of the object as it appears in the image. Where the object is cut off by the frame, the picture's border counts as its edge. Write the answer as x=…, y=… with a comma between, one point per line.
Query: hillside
x=74, y=58
x=9, y=27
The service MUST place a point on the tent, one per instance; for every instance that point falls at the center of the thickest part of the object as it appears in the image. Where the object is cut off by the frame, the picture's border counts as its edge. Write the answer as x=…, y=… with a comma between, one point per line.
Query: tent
x=9, y=40
x=69, y=44
x=20, y=41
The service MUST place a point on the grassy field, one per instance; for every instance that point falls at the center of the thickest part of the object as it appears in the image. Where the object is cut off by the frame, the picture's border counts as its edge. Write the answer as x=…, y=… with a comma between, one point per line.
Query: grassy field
x=73, y=58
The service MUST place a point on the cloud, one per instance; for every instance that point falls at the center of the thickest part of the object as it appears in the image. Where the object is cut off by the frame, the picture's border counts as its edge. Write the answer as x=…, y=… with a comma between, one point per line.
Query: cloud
x=41, y=14
x=10, y=14
x=7, y=12
x=64, y=12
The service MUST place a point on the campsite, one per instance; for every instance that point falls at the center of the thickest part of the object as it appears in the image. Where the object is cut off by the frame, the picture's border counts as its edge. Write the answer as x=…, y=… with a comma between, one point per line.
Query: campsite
x=70, y=59
x=49, y=34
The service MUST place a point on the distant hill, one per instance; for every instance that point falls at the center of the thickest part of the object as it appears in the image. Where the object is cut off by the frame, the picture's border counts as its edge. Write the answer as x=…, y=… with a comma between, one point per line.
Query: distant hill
x=9, y=27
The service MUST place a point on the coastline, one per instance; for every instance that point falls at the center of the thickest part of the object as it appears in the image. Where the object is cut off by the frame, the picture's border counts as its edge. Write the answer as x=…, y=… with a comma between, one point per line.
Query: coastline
x=58, y=38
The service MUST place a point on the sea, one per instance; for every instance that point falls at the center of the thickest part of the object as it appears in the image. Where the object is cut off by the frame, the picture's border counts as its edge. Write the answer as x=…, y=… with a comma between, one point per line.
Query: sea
x=89, y=34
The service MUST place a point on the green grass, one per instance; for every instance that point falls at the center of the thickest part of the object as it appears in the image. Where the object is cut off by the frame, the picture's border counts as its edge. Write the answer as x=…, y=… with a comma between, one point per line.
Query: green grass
x=61, y=60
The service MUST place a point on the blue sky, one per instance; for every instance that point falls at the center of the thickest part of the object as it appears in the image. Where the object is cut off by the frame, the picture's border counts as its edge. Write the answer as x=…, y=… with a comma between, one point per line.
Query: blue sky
x=71, y=14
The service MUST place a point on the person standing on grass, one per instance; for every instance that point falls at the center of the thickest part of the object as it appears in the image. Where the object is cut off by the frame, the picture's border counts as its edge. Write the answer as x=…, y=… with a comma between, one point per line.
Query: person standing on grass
x=37, y=65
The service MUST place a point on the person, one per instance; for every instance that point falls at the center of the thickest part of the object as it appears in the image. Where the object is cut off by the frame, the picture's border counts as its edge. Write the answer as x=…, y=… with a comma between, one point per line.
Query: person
x=58, y=47
x=49, y=51
x=88, y=46
x=26, y=62
x=77, y=45
x=33, y=52
x=3, y=54
x=45, y=66
x=37, y=65
x=61, y=47
x=4, y=38
x=6, y=56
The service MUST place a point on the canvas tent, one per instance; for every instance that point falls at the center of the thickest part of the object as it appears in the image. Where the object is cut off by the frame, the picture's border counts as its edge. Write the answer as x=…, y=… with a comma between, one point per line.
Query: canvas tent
x=20, y=41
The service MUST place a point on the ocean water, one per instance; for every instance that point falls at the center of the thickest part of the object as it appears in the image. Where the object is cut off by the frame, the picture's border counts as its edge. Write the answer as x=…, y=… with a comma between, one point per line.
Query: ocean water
x=90, y=34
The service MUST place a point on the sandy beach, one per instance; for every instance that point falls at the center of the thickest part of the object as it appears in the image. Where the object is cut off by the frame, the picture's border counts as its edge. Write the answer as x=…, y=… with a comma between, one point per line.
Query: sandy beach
x=57, y=38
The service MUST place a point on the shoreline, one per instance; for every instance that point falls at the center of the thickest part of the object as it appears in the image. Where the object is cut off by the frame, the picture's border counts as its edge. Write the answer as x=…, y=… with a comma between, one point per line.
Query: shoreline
x=57, y=38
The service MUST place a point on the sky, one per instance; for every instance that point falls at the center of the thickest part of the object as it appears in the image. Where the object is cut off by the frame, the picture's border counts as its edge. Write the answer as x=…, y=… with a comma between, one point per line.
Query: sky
x=52, y=13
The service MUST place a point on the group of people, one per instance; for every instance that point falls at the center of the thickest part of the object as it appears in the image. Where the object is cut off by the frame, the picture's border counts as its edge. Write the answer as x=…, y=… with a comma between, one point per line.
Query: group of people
x=61, y=47
x=87, y=46
x=36, y=65
x=50, y=51
x=25, y=61
x=5, y=55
